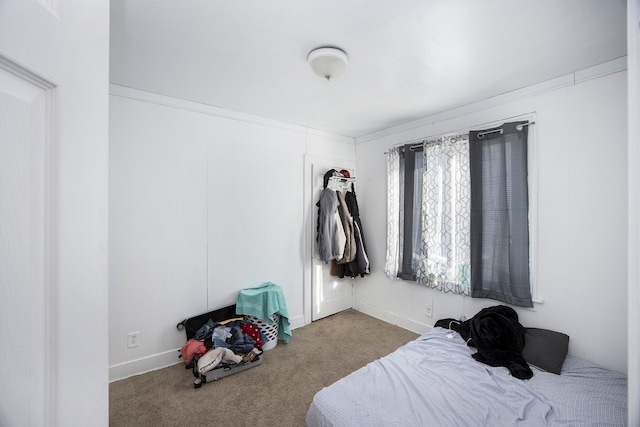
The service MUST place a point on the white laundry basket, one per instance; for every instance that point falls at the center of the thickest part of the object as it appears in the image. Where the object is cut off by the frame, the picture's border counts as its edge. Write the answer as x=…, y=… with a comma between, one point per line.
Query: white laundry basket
x=268, y=329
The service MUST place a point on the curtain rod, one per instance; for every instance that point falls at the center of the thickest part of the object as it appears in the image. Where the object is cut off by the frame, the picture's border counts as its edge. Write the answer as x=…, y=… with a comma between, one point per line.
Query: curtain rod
x=522, y=125
x=518, y=127
x=422, y=140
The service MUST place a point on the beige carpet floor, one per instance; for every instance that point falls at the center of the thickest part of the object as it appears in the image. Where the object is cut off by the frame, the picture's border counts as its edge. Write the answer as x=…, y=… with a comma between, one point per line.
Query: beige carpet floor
x=276, y=393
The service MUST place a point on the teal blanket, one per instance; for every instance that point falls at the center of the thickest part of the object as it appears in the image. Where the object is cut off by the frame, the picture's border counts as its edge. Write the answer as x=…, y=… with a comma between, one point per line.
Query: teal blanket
x=262, y=302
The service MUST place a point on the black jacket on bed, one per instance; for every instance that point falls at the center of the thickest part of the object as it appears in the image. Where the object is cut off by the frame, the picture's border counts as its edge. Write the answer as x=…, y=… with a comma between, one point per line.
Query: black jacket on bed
x=498, y=336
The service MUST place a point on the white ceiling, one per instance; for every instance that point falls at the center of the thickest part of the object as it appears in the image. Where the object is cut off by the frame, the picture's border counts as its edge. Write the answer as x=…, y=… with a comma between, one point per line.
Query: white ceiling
x=407, y=58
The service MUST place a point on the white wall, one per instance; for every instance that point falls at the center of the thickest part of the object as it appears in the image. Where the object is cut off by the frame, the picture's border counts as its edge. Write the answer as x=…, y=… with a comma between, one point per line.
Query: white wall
x=581, y=227
x=203, y=202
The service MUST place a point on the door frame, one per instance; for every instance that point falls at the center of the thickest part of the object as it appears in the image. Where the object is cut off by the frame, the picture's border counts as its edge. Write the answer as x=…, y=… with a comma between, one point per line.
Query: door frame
x=309, y=226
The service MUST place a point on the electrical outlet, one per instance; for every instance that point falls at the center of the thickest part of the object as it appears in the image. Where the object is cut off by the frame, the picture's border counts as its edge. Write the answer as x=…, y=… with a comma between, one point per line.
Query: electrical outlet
x=133, y=339
x=429, y=308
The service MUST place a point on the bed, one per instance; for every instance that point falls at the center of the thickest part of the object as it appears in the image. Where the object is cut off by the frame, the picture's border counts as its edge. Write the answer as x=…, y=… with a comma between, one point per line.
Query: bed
x=434, y=381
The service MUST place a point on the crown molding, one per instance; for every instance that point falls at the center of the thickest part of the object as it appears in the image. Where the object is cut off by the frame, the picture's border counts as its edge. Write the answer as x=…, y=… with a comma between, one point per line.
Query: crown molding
x=183, y=104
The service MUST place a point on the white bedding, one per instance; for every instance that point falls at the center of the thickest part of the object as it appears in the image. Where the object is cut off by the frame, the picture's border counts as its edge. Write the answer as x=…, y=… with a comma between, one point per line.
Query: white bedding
x=434, y=381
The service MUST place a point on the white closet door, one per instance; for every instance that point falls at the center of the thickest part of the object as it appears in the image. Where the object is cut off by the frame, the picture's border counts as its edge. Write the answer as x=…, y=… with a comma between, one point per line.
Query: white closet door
x=53, y=207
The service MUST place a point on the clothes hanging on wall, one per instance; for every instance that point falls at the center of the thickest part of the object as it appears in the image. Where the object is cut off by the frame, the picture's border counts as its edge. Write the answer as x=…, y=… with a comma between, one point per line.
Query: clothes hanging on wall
x=347, y=225
x=340, y=239
x=360, y=264
x=331, y=238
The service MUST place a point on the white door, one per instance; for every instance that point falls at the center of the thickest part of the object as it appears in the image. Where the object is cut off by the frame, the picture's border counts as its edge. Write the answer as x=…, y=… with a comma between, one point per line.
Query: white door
x=329, y=294
x=53, y=212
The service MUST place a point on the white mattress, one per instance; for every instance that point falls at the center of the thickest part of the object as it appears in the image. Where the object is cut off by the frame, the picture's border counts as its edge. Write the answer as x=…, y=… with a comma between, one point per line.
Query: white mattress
x=434, y=381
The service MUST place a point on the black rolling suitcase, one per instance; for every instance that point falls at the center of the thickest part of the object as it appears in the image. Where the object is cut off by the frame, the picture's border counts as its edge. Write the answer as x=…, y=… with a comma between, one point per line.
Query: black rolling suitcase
x=222, y=370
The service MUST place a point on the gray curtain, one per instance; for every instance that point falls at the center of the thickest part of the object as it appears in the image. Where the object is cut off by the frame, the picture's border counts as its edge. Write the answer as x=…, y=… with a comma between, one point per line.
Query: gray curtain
x=499, y=214
x=411, y=168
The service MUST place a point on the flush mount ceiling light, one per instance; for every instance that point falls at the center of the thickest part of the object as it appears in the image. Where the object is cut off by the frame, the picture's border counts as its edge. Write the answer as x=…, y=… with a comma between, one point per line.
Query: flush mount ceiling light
x=327, y=62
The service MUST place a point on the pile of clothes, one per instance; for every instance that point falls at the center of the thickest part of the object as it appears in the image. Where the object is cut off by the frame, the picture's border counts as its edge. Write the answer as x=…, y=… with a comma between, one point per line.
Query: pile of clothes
x=220, y=343
x=497, y=335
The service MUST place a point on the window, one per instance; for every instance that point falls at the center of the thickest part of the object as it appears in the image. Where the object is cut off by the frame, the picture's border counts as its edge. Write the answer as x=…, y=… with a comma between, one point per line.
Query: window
x=458, y=214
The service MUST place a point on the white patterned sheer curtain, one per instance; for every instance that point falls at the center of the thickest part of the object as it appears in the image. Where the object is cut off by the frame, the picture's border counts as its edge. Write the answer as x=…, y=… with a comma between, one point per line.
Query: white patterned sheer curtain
x=393, y=213
x=446, y=202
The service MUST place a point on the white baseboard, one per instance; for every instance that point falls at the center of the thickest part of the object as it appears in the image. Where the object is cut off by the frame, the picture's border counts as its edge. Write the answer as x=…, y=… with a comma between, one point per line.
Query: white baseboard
x=143, y=365
x=393, y=318
x=296, y=322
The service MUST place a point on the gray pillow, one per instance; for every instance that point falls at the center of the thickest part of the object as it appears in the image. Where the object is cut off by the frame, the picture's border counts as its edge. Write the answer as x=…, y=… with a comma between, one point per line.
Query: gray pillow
x=545, y=349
